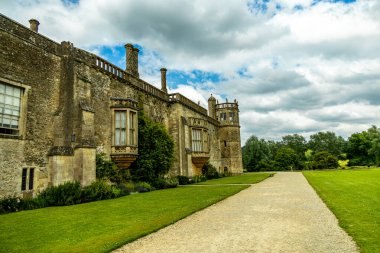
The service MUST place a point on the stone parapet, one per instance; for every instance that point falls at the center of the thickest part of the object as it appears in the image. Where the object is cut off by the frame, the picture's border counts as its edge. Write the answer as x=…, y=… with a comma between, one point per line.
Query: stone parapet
x=10, y=26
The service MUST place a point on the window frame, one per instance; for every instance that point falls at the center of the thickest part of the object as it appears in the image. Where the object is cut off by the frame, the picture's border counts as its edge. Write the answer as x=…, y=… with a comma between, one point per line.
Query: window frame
x=28, y=178
x=130, y=127
x=223, y=116
x=24, y=91
x=200, y=144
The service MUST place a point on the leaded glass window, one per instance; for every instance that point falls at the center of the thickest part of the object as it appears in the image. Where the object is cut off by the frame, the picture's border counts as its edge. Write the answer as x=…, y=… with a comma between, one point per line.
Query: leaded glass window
x=132, y=128
x=196, y=140
x=120, y=128
x=10, y=105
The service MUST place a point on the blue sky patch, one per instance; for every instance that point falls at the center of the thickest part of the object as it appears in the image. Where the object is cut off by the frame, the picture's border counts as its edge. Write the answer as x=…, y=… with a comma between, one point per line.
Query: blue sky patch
x=177, y=77
x=70, y=2
x=258, y=6
x=334, y=1
x=243, y=72
x=298, y=7
x=115, y=54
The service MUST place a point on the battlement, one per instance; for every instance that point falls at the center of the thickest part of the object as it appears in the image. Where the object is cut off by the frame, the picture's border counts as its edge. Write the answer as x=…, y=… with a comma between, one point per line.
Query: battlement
x=227, y=105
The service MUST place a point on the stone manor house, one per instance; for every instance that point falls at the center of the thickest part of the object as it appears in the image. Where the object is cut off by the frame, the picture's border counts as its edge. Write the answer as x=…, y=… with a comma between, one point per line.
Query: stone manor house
x=59, y=105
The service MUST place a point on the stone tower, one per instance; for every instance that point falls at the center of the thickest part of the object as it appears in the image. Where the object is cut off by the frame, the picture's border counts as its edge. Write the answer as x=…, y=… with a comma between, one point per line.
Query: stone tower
x=229, y=135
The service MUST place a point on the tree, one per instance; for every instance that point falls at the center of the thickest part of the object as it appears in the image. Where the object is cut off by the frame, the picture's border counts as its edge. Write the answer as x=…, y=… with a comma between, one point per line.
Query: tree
x=297, y=143
x=327, y=141
x=156, y=151
x=374, y=134
x=286, y=159
x=324, y=160
x=358, y=148
x=258, y=152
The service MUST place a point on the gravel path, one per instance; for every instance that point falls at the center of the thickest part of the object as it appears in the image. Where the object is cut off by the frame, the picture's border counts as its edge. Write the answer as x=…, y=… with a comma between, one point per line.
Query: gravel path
x=281, y=214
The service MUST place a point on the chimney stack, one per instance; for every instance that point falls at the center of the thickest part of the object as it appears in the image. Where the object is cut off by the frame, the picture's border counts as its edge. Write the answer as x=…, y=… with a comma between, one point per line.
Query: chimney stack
x=136, y=62
x=34, y=25
x=212, y=107
x=132, y=62
x=163, y=80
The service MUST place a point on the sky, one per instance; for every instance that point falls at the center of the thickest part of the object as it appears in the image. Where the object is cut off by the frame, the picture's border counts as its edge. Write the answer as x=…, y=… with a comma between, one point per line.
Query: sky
x=295, y=66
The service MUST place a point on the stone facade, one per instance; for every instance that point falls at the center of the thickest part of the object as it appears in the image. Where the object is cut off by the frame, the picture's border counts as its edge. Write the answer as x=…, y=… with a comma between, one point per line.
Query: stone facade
x=59, y=105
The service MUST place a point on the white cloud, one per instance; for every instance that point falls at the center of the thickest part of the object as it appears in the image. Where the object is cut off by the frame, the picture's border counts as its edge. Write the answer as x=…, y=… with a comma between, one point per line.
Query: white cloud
x=306, y=67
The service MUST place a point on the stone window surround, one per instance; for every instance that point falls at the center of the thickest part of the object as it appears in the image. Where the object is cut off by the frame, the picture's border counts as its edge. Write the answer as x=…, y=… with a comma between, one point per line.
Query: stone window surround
x=29, y=185
x=23, y=108
x=204, y=139
x=128, y=112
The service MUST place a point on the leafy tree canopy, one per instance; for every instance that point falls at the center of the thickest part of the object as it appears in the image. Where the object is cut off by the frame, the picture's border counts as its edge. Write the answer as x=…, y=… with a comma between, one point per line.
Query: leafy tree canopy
x=286, y=159
x=324, y=160
x=297, y=143
x=156, y=151
x=327, y=141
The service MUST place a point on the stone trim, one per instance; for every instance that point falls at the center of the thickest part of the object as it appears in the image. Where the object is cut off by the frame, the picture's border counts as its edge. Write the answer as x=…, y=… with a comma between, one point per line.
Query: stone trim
x=61, y=151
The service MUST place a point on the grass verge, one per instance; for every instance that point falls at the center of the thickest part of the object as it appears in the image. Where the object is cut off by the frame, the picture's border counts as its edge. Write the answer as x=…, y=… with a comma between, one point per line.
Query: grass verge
x=104, y=225
x=354, y=197
x=246, y=178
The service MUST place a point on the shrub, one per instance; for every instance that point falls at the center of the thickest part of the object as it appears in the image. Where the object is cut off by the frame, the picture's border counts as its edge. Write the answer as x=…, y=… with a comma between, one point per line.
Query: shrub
x=12, y=204
x=143, y=187
x=130, y=186
x=198, y=179
x=29, y=204
x=123, y=190
x=183, y=180
x=171, y=182
x=226, y=174
x=210, y=171
x=107, y=169
x=100, y=190
x=324, y=160
x=162, y=183
x=65, y=194
x=265, y=166
x=69, y=193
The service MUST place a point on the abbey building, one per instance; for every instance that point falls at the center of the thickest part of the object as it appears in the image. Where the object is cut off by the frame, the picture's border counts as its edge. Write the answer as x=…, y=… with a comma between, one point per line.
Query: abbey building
x=60, y=105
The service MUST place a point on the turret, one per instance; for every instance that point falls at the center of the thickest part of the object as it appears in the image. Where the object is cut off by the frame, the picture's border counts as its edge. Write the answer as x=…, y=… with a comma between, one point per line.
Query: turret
x=229, y=135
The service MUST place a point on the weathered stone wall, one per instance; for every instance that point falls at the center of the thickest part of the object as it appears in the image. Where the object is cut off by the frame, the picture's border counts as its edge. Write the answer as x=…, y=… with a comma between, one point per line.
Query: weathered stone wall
x=231, y=149
x=31, y=62
x=12, y=159
x=66, y=113
x=95, y=88
x=180, y=130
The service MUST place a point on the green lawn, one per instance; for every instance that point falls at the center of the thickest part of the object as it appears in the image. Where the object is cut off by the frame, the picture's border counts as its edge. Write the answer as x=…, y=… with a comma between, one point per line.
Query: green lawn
x=104, y=225
x=246, y=178
x=354, y=197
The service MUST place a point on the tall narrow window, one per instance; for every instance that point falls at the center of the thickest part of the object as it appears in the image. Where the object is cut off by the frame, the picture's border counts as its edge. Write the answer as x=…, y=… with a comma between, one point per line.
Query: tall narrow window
x=223, y=116
x=120, y=128
x=196, y=140
x=31, y=178
x=23, y=179
x=10, y=104
x=232, y=116
x=132, y=128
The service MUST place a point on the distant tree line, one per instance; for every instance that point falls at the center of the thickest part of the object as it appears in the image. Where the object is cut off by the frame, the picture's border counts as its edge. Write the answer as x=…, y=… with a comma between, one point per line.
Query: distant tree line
x=324, y=150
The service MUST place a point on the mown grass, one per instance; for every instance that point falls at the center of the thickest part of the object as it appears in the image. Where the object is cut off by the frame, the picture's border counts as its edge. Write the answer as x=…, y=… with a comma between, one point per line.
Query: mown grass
x=246, y=178
x=354, y=197
x=104, y=225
